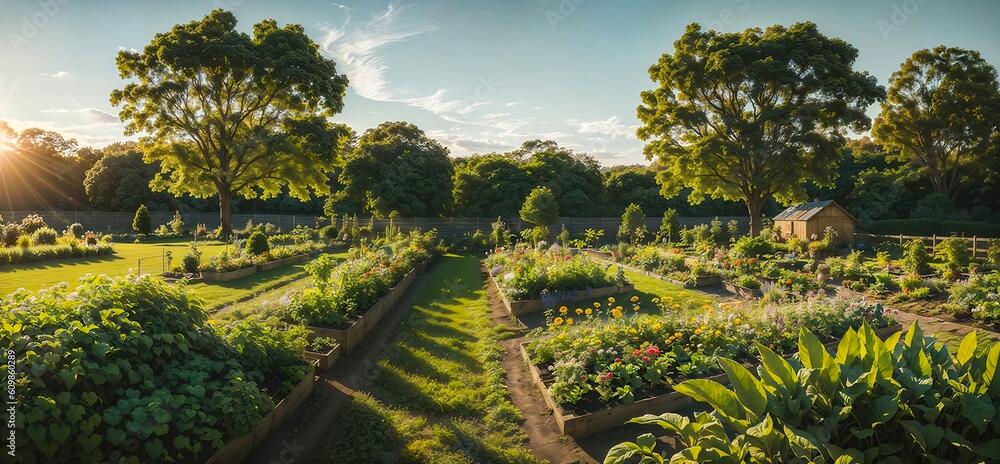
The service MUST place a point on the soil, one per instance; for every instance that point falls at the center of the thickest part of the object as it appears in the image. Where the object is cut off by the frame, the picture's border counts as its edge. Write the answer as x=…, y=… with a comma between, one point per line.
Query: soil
x=303, y=433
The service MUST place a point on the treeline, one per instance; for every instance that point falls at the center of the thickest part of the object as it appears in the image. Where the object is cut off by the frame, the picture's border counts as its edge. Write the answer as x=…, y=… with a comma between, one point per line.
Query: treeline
x=396, y=169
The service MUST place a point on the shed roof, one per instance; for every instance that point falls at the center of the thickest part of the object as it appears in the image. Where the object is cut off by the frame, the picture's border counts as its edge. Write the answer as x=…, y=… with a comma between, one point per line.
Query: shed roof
x=807, y=210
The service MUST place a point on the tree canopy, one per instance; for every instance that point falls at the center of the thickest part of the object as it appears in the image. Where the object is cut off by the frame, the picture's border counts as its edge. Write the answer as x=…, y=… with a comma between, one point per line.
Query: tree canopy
x=396, y=167
x=540, y=207
x=746, y=116
x=490, y=185
x=940, y=113
x=574, y=179
x=226, y=113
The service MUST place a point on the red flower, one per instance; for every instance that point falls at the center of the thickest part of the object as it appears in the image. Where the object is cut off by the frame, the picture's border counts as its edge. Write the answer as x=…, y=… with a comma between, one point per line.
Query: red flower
x=653, y=351
x=645, y=359
x=636, y=352
x=618, y=360
x=583, y=378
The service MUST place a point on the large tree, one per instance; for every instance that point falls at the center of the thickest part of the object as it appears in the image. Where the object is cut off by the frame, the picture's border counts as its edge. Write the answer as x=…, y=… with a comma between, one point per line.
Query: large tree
x=38, y=170
x=396, y=167
x=575, y=179
x=754, y=114
x=119, y=181
x=490, y=185
x=227, y=113
x=940, y=113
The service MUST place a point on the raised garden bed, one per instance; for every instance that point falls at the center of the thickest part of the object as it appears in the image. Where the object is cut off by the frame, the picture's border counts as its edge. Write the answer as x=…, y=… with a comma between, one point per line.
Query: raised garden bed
x=251, y=270
x=326, y=360
x=519, y=307
x=585, y=424
x=236, y=450
x=353, y=335
x=742, y=292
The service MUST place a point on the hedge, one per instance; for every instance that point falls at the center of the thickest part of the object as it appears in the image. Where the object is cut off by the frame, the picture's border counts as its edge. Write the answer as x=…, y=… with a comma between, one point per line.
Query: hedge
x=932, y=227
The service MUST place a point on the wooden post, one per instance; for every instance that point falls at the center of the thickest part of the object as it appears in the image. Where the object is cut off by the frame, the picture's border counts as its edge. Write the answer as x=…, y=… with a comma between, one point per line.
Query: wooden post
x=934, y=241
x=975, y=241
x=900, y=239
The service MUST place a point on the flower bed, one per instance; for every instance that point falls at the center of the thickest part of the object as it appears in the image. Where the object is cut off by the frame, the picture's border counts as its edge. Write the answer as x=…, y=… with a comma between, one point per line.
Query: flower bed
x=128, y=369
x=672, y=265
x=604, y=365
x=40, y=253
x=531, y=280
x=977, y=297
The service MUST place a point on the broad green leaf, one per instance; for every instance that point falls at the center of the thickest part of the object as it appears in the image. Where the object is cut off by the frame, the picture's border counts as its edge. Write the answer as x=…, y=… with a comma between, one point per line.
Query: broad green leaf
x=847, y=349
x=990, y=376
x=811, y=351
x=775, y=365
x=748, y=389
x=967, y=349
x=713, y=393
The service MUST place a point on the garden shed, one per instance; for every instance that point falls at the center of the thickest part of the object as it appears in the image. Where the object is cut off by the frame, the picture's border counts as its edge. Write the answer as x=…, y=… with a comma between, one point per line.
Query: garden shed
x=809, y=219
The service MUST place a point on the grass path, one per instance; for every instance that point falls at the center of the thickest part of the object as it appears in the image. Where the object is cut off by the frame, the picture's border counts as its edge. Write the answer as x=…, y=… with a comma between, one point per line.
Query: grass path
x=437, y=391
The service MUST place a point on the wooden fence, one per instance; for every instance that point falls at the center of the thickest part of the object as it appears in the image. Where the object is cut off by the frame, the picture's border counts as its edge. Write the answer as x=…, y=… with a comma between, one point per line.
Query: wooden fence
x=978, y=245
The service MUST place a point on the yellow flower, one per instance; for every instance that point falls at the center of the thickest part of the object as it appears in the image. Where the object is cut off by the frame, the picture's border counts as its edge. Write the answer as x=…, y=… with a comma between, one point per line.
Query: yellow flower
x=563, y=310
x=634, y=299
x=589, y=311
x=569, y=321
x=580, y=311
x=597, y=304
x=678, y=334
x=611, y=299
x=557, y=321
x=635, y=307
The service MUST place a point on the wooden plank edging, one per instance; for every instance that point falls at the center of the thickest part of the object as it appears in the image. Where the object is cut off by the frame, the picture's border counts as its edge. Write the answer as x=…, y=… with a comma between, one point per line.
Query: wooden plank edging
x=237, y=449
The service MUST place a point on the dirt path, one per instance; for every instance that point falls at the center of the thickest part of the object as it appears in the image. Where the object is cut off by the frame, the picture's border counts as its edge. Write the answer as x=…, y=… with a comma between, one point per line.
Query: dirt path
x=316, y=420
x=947, y=331
x=546, y=441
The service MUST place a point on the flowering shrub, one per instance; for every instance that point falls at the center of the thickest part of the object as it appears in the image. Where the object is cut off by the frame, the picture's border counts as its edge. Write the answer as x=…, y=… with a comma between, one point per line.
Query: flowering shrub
x=345, y=290
x=613, y=358
x=751, y=247
x=655, y=259
x=797, y=281
x=978, y=297
x=68, y=249
x=526, y=273
x=243, y=258
x=128, y=370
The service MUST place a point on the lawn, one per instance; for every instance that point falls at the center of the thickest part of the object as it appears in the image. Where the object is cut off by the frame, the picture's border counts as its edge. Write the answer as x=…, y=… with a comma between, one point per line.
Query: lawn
x=43, y=275
x=127, y=255
x=438, y=392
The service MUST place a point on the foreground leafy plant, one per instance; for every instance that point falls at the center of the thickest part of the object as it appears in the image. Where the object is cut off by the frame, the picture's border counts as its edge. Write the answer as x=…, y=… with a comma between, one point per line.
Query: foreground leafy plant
x=906, y=399
x=128, y=370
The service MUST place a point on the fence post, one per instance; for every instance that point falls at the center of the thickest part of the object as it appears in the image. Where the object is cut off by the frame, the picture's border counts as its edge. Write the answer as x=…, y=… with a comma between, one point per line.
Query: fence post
x=975, y=241
x=933, y=240
x=900, y=239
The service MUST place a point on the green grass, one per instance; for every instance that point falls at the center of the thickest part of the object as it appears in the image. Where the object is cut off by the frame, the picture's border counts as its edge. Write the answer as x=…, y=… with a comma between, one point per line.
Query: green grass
x=37, y=276
x=438, y=392
x=651, y=287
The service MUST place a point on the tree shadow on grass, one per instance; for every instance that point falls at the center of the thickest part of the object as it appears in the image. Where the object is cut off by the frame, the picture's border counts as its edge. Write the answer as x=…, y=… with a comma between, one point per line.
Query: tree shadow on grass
x=59, y=263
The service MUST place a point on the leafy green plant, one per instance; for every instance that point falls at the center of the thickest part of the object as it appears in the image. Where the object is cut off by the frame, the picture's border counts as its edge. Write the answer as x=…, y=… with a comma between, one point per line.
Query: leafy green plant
x=128, y=370
x=955, y=253
x=751, y=247
x=906, y=399
x=44, y=236
x=978, y=297
x=257, y=244
x=916, y=260
x=142, y=223
x=76, y=230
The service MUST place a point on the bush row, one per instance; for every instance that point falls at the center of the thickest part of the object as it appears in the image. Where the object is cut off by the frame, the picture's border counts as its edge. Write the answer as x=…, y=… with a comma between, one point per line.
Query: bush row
x=932, y=227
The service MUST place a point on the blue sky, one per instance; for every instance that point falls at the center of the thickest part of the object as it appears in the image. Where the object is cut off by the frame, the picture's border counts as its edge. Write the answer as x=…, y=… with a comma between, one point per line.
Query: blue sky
x=479, y=76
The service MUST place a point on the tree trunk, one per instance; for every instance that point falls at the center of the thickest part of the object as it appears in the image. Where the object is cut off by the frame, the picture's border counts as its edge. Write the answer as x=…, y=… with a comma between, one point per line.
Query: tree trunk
x=754, y=207
x=225, y=214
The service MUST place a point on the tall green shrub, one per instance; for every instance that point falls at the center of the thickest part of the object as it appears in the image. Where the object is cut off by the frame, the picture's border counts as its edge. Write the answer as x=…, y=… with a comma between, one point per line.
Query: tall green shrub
x=142, y=223
x=540, y=207
x=670, y=226
x=633, y=225
x=257, y=244
x=916, y=260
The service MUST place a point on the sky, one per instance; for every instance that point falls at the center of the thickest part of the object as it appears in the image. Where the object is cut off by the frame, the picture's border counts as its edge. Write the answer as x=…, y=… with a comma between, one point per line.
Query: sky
x=479, y=76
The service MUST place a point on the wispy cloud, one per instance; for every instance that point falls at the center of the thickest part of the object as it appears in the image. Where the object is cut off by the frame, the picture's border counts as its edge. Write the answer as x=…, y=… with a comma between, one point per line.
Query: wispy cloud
x=58, y=75
x=359, y=49
x=611, y=127
x=89, y=115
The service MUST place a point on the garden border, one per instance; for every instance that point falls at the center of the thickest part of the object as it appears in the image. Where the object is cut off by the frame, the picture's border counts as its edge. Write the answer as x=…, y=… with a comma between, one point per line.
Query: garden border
x=251, y=270
x=326, y=360
x=519, y=307
x=353, y=336
x=704, y=281
x=237, y=449
x=613, y=416
x=746, y=293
